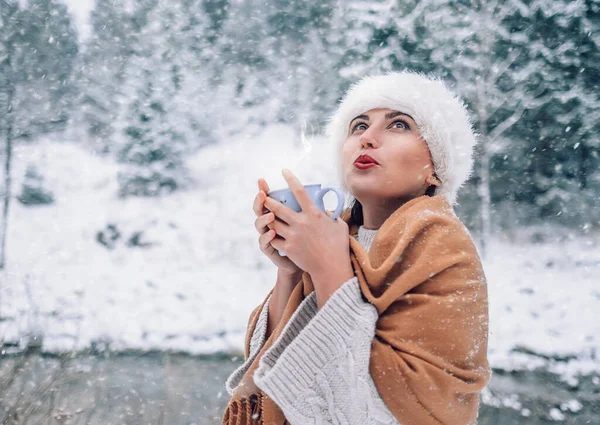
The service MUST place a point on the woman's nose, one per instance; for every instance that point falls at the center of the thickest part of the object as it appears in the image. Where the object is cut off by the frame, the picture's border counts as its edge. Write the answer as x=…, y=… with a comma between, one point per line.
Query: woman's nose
x=368, y=138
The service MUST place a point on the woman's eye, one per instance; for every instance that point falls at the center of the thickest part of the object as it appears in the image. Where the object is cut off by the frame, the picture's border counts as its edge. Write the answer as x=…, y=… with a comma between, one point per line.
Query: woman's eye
x=358, y=125
x=404, y=125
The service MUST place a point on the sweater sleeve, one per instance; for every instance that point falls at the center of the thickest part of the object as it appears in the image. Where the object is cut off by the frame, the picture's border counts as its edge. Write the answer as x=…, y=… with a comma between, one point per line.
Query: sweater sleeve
x=257, y=340
x=322, y=375
x=303, y=314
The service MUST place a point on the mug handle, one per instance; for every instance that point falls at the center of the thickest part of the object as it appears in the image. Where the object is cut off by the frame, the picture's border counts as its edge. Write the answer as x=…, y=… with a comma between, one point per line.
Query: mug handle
x=340, y=196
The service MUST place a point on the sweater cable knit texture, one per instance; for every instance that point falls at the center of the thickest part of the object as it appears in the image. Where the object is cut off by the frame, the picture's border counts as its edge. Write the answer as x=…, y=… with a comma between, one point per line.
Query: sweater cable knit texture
x=317, y=371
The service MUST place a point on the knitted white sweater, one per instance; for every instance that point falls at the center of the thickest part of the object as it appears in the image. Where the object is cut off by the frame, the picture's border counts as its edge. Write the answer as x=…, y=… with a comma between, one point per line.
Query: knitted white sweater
x=317, y=371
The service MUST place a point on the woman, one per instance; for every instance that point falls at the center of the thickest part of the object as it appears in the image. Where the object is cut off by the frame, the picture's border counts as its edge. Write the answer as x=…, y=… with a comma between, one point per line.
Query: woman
x=381, y=316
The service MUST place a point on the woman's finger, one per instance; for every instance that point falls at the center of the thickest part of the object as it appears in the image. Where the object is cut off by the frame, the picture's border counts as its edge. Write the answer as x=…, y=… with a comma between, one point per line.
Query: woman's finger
x=265, y=188
x=281, y=227
x=282, y=211
x=264, y=241
x=259, y=201
x=262, y=185
x=258, y=205
x=261, y=222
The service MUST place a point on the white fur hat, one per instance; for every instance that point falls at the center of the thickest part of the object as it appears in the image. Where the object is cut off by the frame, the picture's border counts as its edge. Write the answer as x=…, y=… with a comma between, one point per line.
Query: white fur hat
x=441, y=117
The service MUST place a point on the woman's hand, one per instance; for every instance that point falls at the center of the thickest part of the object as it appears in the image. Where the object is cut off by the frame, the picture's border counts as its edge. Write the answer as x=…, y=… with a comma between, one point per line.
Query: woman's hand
x=264, y=218
x=312, y=240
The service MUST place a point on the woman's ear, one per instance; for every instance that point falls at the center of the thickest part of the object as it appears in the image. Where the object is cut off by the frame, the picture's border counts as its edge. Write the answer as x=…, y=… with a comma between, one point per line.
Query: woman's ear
x=432, y=180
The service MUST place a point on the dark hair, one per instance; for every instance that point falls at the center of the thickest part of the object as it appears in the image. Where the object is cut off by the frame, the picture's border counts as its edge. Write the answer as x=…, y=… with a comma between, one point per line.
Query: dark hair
x=356, y=209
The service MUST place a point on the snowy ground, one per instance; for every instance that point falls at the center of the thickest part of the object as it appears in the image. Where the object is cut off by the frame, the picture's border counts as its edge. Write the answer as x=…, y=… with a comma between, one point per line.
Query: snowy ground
x=194, y=286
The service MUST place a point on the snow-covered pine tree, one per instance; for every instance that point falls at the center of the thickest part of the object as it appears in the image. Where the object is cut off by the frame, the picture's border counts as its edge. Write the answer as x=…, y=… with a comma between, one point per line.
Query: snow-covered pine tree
x=43, y=47
x=492, y=68
x=483, y=77
x=269, y=83
x=247, y=78
x=100, y=77
x=33, y=191
x=562, y=149
x=37, y=50
x=192, y=50
x=151, y=142
x=170, y=111
x=44, y=55
x=318, y=79
x=383, y=35
x=294, y=76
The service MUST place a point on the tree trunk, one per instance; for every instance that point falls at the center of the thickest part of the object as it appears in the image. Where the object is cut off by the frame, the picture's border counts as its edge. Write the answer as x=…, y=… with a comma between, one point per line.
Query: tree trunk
x=296, y=107
x=7, y=164
x=484, y=195
x=484, y=171
x=483, y=85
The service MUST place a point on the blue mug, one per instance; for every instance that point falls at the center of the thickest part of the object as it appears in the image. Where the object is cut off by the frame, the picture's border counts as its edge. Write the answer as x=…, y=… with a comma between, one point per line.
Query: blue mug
x=286, y=197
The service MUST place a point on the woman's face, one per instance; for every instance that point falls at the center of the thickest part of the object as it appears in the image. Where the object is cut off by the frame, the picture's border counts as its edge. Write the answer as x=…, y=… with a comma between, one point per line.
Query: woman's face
x=391, y=138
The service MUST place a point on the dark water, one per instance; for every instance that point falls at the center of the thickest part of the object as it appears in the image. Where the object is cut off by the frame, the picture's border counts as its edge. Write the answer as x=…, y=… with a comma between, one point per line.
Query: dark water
x=176, y=389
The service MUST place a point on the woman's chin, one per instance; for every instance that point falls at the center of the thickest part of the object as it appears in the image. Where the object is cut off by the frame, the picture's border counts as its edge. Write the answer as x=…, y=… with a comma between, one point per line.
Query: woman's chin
x=364, y=189
x=360, y=178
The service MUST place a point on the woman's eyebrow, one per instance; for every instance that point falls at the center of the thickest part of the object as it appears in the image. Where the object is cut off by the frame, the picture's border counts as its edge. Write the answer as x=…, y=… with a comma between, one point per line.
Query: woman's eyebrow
x=363, y=117
x=393, y=114
x=388, y=116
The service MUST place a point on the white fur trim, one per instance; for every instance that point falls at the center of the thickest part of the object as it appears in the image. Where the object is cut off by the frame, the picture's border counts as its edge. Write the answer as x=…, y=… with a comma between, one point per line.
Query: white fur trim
x=441, y=117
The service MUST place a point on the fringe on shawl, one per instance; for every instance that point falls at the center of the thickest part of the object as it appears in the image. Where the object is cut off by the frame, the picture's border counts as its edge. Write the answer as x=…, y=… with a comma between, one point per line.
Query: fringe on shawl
x=245, y=411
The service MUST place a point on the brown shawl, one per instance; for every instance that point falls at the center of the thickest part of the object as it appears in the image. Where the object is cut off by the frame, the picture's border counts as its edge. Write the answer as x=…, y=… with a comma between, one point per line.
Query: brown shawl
x=428, y=356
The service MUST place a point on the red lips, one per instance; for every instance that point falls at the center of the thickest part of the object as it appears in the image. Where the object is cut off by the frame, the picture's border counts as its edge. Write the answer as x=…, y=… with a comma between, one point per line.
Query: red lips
x=365, y=159
x=364, y=166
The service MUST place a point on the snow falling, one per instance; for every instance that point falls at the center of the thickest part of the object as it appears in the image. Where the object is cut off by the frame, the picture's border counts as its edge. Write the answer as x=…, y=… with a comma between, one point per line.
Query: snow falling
x=132, y=136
